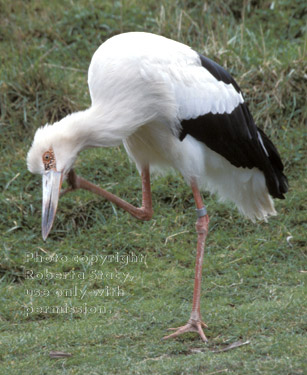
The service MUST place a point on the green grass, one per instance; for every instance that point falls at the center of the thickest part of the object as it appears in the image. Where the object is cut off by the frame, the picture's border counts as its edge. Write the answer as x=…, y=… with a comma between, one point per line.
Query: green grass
x=254, y=274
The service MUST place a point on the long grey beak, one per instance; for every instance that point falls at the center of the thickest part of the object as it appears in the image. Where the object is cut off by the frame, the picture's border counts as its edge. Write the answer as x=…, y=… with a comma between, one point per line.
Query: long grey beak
x=52, y=182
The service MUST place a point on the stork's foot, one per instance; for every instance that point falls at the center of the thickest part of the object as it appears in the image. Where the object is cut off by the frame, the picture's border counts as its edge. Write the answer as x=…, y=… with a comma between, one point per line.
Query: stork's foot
x=192, y=326
x=73, y=183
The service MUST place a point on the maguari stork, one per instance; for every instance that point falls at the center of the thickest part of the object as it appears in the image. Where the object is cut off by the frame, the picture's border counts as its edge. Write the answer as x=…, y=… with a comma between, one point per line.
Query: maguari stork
x=170, y=107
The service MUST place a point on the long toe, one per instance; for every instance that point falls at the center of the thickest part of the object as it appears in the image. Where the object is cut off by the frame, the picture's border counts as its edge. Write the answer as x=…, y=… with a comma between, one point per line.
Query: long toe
x=191, y=326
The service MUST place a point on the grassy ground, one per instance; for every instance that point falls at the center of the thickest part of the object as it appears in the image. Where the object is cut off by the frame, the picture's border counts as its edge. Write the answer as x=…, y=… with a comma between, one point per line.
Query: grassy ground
x=254, y=274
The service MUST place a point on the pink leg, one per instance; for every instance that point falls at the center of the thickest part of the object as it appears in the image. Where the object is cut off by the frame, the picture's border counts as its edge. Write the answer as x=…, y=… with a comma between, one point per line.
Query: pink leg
x=195, y=323
x=143, y=213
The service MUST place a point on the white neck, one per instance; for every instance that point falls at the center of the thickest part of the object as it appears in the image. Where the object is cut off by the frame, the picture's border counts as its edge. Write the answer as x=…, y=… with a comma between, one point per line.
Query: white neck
x=89, y=128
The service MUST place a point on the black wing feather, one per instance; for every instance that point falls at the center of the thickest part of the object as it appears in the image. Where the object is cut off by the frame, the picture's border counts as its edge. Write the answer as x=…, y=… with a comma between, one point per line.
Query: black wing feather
x=236, y=137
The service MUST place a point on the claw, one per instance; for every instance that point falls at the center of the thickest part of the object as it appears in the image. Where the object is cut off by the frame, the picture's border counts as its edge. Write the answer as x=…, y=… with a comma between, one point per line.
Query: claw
x=191, y=326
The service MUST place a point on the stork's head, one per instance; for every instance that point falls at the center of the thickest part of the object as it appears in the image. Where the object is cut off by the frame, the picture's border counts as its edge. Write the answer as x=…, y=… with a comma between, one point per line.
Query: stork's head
x=52, y=155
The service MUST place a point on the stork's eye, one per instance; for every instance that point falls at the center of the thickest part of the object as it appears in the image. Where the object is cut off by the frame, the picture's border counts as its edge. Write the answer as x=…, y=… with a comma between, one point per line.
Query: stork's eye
x=49, y=160
x=46, y=156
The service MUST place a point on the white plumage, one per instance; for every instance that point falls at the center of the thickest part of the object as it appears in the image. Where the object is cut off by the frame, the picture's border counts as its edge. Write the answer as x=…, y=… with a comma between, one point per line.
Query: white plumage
x=141, y=86
x=171, y=108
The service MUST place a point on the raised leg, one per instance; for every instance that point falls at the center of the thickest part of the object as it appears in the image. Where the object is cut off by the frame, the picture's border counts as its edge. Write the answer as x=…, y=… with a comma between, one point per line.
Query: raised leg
x=195, y=323
x=143, y=213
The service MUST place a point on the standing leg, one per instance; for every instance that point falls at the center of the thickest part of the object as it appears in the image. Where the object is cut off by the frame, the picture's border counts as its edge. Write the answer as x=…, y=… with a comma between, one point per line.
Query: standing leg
x=195, y=323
